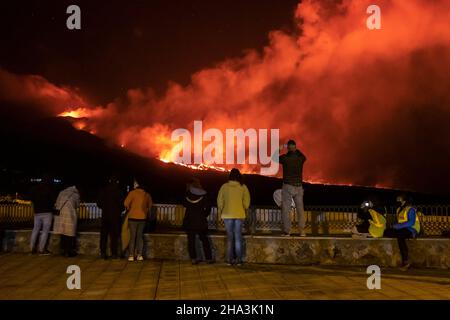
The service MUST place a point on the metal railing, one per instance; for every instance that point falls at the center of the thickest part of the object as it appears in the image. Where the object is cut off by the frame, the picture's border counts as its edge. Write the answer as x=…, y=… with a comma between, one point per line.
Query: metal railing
x=260, y=219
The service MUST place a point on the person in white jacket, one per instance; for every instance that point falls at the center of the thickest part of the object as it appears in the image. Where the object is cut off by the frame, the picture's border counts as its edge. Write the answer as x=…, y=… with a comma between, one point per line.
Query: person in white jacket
x=65, y=224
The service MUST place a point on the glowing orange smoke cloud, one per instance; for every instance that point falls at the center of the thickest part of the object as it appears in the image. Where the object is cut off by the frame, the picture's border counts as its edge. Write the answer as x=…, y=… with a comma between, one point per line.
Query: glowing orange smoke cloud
x=37, y=94
x=368, y=107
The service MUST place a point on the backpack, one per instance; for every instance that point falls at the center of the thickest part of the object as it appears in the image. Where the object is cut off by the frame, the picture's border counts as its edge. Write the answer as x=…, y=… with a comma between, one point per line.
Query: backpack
x=421, y=222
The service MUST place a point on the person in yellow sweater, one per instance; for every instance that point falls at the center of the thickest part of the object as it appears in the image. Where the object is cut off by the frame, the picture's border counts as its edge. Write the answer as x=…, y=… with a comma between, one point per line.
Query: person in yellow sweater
x=138, y=204
x=233, y=201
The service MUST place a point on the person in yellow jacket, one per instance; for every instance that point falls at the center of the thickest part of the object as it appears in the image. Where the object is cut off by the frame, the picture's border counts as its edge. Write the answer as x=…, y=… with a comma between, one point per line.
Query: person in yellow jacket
x=233, y=201
x=372, y=221
x=138, y=204
x=377, y=224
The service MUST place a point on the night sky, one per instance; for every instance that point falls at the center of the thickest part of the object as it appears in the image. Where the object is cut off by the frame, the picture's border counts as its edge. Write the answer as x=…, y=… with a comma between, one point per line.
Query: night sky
x=130, y=44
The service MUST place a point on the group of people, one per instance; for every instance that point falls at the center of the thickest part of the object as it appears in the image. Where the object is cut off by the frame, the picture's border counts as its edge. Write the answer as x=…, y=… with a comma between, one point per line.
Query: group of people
x=372, y=223
x=233, y=201
x=62, y=209
x=62, y=213
x=130, y=228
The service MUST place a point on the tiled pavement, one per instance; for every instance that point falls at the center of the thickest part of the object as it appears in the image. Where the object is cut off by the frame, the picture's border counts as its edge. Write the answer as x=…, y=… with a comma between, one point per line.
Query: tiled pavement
x=31, y=277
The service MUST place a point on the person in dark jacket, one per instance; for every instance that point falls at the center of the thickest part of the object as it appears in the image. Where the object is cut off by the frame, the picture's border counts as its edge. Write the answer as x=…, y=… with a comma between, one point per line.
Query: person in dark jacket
x=407, y=227
x=195, y=219
x=292, y=163
x=110, y=200
x=43, y=197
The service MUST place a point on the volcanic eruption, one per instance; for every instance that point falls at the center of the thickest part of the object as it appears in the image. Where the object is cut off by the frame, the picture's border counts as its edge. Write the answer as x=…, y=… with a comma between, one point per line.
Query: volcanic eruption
x=367, y=107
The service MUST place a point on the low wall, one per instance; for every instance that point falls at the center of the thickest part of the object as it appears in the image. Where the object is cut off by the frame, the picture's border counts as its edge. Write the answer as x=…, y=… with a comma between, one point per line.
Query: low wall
x=425, y=252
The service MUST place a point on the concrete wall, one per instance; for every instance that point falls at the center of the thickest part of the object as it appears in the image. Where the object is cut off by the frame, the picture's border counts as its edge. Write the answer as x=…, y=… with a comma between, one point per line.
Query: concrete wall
x=426, y=252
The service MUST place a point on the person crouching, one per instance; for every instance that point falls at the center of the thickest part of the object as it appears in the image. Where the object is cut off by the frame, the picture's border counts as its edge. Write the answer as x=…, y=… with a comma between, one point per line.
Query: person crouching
x=372, y=221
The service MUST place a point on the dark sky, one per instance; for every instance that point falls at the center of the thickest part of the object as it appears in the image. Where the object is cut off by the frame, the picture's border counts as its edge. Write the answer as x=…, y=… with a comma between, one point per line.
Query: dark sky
x=129, y=44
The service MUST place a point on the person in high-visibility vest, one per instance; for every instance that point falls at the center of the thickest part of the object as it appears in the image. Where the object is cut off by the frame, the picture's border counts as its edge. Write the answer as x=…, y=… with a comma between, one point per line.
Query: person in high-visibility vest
x=407, y=226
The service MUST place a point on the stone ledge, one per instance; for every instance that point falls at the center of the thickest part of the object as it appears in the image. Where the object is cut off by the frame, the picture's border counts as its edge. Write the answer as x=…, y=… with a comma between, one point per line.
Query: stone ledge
x=424, y=252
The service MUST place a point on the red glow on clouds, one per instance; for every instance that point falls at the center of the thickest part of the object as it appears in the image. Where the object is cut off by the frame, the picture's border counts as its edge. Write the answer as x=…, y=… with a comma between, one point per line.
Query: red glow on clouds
x=36, y=92
x=368, y=107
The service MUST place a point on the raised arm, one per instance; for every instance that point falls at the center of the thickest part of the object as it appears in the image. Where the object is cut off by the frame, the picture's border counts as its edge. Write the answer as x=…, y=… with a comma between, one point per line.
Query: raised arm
x=276, y=155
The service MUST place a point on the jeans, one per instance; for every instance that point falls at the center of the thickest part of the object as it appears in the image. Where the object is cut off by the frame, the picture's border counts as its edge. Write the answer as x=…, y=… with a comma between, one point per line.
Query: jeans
x=191, y=235
x=290, y=192
x=41, y=221
x=234, y=239
x=136, y=237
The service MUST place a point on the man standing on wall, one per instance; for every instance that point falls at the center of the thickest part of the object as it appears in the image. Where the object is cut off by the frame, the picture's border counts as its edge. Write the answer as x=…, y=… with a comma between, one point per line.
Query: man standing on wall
x=292, y=163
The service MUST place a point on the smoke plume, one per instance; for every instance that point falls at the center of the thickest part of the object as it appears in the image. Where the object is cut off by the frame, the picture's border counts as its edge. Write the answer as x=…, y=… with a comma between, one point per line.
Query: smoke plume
x=367, y=107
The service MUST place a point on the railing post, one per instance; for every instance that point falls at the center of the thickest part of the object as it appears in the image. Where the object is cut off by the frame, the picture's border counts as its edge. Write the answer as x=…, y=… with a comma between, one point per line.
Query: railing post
x=252, y=220
x=314, y=223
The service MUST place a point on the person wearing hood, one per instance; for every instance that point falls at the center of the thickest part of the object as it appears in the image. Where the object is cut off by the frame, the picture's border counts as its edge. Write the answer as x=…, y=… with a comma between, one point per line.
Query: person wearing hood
x=195, y=220
x=65, y=224
x=233, y=202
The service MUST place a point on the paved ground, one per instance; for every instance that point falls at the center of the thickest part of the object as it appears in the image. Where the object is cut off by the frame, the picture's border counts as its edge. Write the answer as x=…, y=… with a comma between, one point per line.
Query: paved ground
x=31, y=277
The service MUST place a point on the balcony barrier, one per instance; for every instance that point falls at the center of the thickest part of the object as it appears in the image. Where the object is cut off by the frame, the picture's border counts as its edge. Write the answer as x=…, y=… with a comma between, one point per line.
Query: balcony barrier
x=324, y=220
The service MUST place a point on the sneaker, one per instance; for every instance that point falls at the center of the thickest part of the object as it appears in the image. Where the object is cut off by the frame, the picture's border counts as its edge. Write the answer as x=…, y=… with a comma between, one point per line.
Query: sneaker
x=239, y=263
x=286, y=235
x=131, y=258
x=303, y=234
x=45, y=253
x=140, y=258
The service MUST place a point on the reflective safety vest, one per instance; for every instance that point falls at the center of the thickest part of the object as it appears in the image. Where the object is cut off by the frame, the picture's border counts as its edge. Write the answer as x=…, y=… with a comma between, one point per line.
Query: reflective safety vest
x=402, y=216
x=377, y=224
